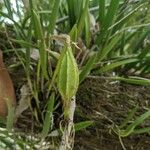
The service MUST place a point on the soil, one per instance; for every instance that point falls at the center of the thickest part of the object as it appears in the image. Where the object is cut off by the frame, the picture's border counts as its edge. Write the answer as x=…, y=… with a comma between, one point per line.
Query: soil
x=108, y=103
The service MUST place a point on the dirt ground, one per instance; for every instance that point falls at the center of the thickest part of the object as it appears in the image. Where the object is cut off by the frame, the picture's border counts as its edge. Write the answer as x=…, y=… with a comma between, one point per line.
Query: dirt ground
x=108, y=103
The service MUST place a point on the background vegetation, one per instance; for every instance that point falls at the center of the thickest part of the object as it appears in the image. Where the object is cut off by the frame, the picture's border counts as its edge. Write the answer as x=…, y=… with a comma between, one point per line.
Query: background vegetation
x=58, y=43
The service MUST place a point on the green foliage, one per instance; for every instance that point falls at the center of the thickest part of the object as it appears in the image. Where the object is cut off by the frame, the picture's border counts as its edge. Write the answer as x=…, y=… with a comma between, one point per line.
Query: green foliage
x=133, y=80
x=132, y=127
x=53, y=16
x=10, y=117
x=48, y=121
x=82, y=125
x=107, y=37
x=87, y=68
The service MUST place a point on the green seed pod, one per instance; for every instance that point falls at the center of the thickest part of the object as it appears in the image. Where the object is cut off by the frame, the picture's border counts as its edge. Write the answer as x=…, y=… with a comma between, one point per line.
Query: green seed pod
x=68, y=75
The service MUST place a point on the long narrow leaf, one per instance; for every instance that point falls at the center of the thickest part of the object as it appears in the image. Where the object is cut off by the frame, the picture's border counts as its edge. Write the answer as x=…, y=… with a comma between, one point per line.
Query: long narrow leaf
x=103, y=53
x=135, y=80
x=41, y=42
x=87, y=68
x=101, y=12
x=129, y=117
x=137, y=122
x=53, y=16
x=111, y=13
x=80, y=23
x=82, y=125
x=48, y=121
x=115, y=64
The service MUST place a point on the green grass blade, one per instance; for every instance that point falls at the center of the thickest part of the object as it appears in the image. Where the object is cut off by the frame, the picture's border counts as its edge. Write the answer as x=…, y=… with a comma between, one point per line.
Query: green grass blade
x=41, y=42
x=10, y=116
x=125, y=19
x=114, y=65
x=82, y=125
x=87, y=30
x=129, y=117
x=133, y=80
x=54, y=16
x=71, y=13
x=80, y=22
x=111, y=13
x=48, y=121
x=109, y=18
x=37, y=25
x=141, y=131
x=23, y=43
x=9, y=8
x=19, y=29
x=73, y=33
x=101, y=12
x=103, y=53
x=73, y=36
x=137, y=122
x=87, y=68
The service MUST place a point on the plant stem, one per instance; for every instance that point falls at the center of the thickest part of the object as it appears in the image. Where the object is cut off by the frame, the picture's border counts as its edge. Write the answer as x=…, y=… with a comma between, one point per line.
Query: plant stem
x=67, y=140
